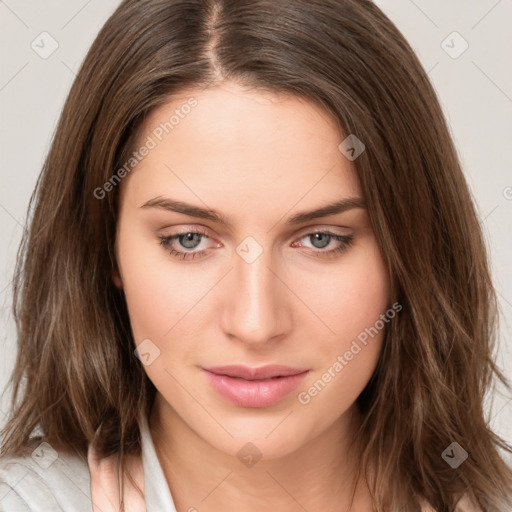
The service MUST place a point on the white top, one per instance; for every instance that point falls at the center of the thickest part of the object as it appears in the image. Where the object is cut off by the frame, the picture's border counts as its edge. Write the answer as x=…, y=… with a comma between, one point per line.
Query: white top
x=60, y=482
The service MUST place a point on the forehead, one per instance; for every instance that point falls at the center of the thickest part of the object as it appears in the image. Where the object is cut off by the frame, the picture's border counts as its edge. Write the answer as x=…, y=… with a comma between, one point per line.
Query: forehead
x=229, y=144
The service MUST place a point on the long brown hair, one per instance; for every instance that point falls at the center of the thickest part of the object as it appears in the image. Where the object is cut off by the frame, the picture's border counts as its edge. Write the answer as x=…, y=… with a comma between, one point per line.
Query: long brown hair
x=76, y=375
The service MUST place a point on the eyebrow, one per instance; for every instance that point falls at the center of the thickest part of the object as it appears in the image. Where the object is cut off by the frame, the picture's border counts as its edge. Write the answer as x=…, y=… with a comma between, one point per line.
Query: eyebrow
x=340, y=206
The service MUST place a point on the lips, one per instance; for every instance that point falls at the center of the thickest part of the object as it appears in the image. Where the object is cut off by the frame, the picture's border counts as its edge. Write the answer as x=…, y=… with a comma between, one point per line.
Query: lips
x=263, y=372
x=254, y=387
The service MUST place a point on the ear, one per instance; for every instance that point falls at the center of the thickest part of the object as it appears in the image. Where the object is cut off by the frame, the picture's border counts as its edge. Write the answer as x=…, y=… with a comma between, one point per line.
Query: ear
x=116, y=278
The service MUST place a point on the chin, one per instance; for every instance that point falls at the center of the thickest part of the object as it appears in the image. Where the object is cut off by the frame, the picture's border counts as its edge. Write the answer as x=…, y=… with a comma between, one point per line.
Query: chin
x=267, y=440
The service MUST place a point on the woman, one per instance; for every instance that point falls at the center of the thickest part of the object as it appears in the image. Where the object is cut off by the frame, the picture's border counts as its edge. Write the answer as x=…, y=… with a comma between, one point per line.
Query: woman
x=254, y=276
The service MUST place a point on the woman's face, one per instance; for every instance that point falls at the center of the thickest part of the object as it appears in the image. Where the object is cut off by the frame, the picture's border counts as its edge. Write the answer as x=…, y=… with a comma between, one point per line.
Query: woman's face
x=259, y=288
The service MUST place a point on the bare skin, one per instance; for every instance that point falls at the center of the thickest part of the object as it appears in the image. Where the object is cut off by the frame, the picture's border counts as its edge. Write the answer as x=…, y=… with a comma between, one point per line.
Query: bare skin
x=257, y=159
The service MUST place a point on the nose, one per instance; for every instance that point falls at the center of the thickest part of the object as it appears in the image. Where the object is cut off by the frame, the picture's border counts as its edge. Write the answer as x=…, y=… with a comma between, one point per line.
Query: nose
x=256, y=303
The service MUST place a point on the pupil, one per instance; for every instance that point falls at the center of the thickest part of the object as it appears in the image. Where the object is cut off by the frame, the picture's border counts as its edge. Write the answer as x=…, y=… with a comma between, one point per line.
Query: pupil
x=318, y=237
x=189, y=240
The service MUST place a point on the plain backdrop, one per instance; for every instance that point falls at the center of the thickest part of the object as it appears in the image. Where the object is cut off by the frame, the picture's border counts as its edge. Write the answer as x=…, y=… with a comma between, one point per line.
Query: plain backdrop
x=464, y=45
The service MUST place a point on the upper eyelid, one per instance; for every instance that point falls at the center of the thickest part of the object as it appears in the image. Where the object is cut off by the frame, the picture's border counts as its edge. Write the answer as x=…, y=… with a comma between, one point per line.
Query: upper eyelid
x=306, y=230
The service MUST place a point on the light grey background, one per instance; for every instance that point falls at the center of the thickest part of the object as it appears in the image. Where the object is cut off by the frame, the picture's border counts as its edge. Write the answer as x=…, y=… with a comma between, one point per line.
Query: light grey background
x=475, y=90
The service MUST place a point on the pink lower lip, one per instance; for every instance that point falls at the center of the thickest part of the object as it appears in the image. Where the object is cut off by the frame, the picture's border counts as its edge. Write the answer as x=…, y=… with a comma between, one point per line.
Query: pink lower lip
x=254, y=393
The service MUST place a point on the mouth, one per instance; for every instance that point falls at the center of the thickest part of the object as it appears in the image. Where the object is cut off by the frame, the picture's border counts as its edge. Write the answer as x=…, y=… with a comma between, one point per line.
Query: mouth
x=254, y=387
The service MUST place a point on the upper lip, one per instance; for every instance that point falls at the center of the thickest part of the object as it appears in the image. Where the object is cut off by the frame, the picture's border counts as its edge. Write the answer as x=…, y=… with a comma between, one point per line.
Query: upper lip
x=262, y=372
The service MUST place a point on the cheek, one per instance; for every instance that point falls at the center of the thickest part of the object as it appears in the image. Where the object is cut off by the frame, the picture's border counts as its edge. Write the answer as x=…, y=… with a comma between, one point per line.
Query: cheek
x=162, y=306
x=348, y=298
x=158, y=294
x=351, y=301
x=152, y=305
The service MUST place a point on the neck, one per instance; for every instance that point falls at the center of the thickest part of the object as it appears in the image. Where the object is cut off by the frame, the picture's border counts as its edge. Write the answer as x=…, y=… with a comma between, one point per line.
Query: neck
x=319, y=475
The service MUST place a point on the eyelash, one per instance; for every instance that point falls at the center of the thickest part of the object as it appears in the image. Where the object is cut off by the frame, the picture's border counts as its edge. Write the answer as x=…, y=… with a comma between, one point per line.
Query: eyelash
x=165, y=242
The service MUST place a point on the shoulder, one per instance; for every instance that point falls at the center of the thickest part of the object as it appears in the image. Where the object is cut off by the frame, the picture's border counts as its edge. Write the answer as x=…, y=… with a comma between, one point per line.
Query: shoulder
x=466, y=504
x=43, y=480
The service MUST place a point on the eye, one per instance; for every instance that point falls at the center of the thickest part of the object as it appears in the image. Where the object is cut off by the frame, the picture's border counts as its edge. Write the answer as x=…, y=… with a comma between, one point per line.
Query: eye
x=188, y=240
x=322, y=239
x=184, y=245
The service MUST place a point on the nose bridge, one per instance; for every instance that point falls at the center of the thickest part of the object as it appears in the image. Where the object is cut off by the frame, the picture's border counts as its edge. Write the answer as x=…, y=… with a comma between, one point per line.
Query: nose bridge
x=255, y=306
